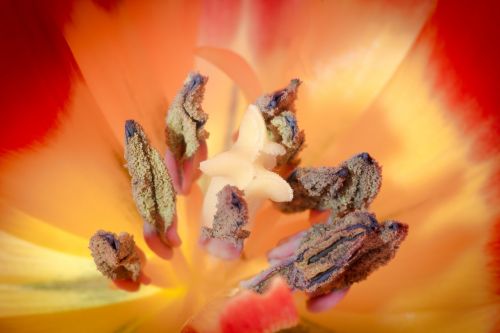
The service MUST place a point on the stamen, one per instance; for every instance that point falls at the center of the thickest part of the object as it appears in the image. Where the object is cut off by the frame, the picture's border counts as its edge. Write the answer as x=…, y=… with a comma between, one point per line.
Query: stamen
x=152, y=187
x=332, y=257
x=229, y=220
x=246, y=166
x=325, y=258
x=186, y=119
x=365, y=179
x=285, y=130
x=313, y=188
x=116, y=257
x=278, y=110
x=279, y=101
x=351, y=186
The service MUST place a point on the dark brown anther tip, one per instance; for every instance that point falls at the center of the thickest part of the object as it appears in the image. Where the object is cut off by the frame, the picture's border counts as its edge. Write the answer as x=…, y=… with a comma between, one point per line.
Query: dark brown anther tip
x=343, y=172
x=111, y=239
x=366, y=157
x=130, y=129
x=397, y=227
x=294, y=84
x=394, y=226
x=236, y=201
x=195, y=81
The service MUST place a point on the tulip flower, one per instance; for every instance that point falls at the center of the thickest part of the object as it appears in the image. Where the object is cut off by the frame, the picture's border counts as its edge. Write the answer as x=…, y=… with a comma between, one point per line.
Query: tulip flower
x=415, y=84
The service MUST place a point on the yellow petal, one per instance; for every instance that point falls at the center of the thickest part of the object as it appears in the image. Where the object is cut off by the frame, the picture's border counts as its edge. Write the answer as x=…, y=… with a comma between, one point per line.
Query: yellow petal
x=145, y=314
x=38, y=232
x=76, y=181
x=34, y=279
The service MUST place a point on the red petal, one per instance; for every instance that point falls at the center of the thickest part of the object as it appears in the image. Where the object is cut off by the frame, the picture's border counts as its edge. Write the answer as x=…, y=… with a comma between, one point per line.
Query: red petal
x=251, y=312
x=247, y=311
x=466, y=50
x=272, y=26
x=219, y=22
x=37, y=69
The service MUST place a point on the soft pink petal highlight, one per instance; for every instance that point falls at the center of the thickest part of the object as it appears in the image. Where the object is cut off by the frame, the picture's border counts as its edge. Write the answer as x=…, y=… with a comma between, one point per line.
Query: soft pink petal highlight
x=326, y=302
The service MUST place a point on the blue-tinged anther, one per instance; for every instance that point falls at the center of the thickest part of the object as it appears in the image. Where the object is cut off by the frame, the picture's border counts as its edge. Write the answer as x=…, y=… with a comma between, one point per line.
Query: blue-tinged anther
x=275, y=100
x=373, y=221
x=130, y=129
x=195, y=80
x=112, y=241
x=342, y=173
x=235, y=201
x=292, y=123
x=394, y=226
x=366, y=157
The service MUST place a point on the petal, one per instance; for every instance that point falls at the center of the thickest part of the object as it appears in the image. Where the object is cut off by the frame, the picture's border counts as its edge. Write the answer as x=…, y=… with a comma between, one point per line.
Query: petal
x=236, y=67
x=344, y=52
x=219, y=22
x=134, y=59
x=38, y=70
x=54, y=282
x=37, y=232
x=77, y=180
x=248, y=311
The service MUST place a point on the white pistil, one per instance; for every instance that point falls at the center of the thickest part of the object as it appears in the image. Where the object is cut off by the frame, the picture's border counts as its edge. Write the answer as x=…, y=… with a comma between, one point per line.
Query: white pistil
x=246, y=165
